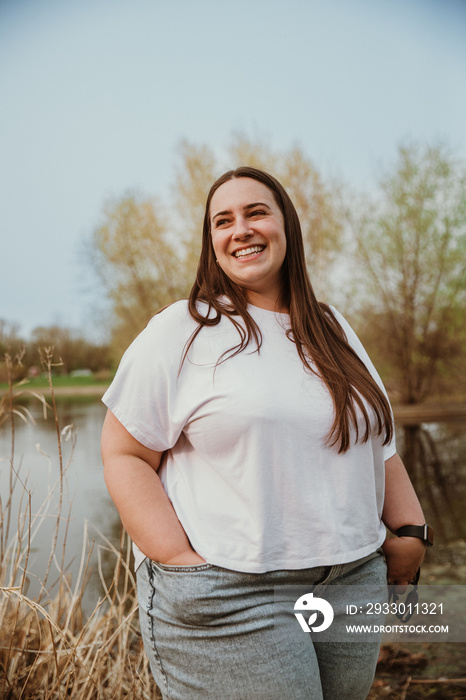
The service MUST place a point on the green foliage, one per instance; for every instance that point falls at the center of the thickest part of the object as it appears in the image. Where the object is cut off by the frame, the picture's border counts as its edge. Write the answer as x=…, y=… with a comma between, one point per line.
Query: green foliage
x=411, y=251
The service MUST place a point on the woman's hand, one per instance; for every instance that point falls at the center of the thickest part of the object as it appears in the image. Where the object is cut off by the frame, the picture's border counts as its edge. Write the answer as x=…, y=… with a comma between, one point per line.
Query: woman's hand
x=187, y=558
x=404, y=556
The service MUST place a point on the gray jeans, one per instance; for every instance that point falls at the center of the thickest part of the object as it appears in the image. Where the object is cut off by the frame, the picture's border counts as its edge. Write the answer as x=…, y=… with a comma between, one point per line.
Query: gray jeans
x=209, y=634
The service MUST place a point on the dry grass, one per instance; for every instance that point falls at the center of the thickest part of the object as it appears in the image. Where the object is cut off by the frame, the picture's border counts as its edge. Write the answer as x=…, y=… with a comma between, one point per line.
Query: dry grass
x=49, y=648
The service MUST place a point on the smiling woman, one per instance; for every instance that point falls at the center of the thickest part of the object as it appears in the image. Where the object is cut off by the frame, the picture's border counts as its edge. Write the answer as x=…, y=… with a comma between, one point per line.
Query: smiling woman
x=249, y=447
x=248, y=237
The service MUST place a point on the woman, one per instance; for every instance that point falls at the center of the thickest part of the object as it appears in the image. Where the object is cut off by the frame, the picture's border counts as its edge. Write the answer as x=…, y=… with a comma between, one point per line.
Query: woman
x=245, y=448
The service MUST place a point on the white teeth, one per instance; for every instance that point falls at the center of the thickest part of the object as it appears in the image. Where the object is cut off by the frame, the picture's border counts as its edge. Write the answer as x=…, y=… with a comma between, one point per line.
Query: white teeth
x=248, y=251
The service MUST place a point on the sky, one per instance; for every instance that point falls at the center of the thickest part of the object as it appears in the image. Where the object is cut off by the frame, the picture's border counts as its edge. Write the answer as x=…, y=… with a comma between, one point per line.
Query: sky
x=96, y=96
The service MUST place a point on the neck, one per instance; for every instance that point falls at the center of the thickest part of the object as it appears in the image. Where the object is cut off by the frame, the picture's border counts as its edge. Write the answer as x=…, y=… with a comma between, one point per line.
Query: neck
x=269, y=302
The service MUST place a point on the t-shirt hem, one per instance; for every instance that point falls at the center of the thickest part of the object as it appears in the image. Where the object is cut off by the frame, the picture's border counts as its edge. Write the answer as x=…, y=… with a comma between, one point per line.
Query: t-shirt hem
x=278, y=565
x=389, y=450
x=130, y=427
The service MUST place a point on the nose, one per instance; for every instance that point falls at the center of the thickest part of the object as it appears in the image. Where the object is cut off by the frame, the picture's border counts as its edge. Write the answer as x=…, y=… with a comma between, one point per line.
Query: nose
x=242, y=228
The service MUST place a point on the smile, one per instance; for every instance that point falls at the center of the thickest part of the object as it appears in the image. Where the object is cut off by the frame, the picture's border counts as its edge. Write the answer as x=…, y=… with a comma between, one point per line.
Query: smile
x=246, y=252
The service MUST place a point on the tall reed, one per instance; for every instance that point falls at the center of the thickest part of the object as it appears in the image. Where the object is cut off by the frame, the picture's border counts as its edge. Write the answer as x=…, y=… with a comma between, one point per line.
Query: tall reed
x=49, y=647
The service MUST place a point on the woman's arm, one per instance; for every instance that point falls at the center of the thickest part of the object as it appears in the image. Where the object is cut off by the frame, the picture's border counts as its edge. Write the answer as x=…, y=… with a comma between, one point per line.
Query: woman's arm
x=130, y=472
x=404, y=555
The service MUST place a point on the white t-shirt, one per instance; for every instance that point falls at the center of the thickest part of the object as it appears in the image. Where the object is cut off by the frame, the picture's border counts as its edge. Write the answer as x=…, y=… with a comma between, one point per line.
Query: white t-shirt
x=247, y=467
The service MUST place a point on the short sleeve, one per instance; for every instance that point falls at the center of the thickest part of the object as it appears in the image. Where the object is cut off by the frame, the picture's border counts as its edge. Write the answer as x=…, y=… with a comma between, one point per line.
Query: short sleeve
x=144, y=394
x=390, y=449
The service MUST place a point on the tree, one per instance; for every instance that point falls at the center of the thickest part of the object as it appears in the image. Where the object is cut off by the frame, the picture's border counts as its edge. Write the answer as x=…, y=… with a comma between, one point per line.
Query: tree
x=147, y=259
x=11, y=345
x=10, y=341
x=136, y=263
x=195, y=173
x=411, y=247
x=71, y=351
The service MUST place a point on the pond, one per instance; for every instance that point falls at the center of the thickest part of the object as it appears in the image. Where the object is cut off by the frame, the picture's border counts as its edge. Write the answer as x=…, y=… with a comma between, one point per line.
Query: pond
x=87, y=512
x=433, y=452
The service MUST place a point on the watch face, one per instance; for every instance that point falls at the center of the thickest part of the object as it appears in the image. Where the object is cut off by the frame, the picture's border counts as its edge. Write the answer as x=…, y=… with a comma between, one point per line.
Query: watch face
x=429, y=536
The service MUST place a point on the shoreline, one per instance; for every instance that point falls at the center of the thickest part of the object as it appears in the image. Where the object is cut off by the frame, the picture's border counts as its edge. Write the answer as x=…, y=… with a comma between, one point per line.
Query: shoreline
x=412, y=414
x=407, y=414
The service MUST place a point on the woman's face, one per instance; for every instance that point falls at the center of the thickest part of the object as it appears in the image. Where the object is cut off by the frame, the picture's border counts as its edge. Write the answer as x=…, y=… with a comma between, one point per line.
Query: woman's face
x=248, y=237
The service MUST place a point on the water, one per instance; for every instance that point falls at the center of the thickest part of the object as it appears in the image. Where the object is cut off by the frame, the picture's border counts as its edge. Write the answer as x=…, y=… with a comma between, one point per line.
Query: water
x=434, y=454
x=87, y=509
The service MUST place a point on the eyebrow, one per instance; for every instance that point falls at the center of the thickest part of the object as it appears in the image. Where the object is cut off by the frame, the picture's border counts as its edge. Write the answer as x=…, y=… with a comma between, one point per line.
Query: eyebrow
x=246, y=207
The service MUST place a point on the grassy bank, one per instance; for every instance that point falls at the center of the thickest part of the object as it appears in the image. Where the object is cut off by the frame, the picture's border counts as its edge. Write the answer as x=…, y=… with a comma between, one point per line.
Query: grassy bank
x=63, y=382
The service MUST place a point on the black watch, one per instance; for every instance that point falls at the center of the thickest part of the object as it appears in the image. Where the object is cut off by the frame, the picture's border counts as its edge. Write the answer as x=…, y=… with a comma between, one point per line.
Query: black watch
x=424, y=532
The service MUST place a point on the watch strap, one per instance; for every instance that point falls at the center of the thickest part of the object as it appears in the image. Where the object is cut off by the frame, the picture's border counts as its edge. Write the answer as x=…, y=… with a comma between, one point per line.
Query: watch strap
x=424, y=532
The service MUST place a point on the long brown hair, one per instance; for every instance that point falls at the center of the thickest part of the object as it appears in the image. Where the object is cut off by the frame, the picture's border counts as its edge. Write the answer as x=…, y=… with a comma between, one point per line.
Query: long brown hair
x=314, y=328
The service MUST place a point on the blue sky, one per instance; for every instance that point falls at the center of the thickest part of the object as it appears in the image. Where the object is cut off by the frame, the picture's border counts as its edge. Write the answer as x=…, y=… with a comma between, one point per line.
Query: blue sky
x=97, y=94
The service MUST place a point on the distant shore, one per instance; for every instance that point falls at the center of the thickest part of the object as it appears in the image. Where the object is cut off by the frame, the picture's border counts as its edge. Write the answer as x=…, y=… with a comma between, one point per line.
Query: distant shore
x=97, y=390
x=407, y=414
x=410, y=414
